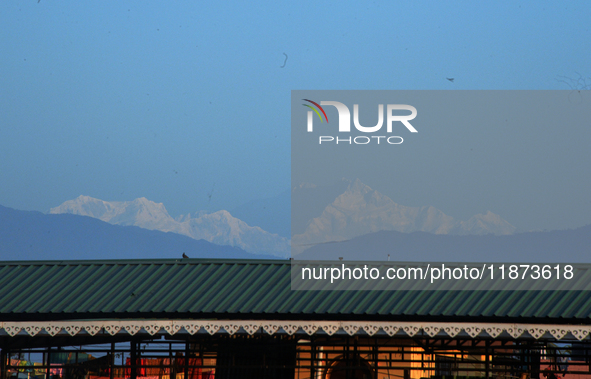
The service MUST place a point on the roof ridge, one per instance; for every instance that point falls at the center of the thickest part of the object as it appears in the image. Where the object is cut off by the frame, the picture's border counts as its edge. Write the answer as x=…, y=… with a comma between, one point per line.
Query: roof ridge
x=59, y=262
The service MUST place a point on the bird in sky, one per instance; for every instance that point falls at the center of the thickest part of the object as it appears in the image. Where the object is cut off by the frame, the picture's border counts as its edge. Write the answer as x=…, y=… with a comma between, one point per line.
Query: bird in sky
x=185, y=255
x=450, y=79
x=210, y=193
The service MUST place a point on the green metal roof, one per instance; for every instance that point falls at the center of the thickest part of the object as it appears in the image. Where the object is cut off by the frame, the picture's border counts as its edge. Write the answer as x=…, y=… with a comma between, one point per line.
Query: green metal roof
x=247, y=288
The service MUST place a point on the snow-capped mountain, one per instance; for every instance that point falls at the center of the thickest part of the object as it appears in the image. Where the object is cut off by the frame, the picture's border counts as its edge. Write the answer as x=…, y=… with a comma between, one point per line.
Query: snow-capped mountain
x=31, y=235
x=223, y=229
x=139, y=212
x=361, y=210
x=219, y=227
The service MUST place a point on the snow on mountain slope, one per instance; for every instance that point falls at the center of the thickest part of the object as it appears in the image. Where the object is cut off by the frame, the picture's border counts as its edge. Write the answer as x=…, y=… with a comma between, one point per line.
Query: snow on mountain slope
x=219, y=227
x=361, y=210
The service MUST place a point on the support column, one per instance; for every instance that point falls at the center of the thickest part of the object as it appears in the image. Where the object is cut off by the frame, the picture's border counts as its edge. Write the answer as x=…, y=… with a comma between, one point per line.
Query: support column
x=312, y=358
x=487, y=362
x=187, y=359
x=171, y=370
x=112, y=362
x=376, y=357
x=133, y=374
x=48, y=363
x=3, y=364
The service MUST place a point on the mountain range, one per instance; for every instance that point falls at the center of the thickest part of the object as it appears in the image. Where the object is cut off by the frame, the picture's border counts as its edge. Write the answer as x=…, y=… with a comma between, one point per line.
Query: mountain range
x=346, y=219
x=29, y=235
x=220, y=227
x=341, y=211
x=360, y=210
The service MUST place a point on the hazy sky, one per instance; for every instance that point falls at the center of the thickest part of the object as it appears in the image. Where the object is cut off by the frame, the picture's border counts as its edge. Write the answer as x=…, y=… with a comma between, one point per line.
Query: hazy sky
x=175, y=100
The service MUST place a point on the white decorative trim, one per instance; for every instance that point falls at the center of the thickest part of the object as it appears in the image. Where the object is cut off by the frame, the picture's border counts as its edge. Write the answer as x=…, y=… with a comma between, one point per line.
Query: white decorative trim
x=310, y=328
x=382, y=328
x=52, y=330
x=32, y=329
x=330, y=329
x=73, y=329
x=580, y=334
x=132, y=329
x=515, y=331
x=231, y=328
x=172, y=329
x=92, y=329
x=152, y=329
x=12, y=330
x=411, y=330
x=113, y=329
x=536, y=332
x=558, y=333
x=390, y=329
x=473, y=331
x=251, y=328
x=493, y=331
x=191, y=328
x=290, y=328
x=371, y=329
x=212, y=328
x=432, y=330
x=452, y=330
x=351, y=329
x=270, y=328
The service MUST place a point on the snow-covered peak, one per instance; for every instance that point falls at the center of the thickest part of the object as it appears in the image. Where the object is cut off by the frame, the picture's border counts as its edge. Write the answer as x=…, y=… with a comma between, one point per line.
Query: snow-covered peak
x=488, y=223
x=140, y=212
x=87, y=206
x=218, y=227
x=361, y=210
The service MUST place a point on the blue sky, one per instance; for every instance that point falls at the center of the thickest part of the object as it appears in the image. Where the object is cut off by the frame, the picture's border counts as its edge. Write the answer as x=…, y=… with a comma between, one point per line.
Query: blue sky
x=169, y=100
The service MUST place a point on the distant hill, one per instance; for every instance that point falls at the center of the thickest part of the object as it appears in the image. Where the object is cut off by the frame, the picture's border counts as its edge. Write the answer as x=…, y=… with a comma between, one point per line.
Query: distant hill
x=560, y=246
x=33, y=235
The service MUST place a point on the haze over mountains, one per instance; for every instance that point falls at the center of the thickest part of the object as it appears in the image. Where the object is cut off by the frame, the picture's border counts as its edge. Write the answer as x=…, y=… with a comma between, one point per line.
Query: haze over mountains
x=349, y=211
x=342, y=211
x=218, y=227
x=360, y=210
x=26, y=235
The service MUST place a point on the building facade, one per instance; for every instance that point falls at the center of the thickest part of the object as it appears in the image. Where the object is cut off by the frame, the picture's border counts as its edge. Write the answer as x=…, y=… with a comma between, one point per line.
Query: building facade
x=165, y=319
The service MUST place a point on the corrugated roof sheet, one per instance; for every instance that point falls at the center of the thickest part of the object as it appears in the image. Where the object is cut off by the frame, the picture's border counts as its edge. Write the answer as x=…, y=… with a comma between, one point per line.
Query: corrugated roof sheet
x=247, y=288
